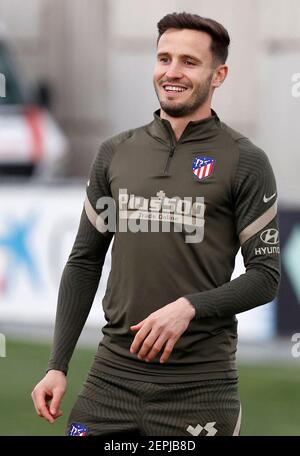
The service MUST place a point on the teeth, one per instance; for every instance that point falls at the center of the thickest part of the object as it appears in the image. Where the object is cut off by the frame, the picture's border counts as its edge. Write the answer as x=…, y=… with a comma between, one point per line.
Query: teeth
x=174, y=88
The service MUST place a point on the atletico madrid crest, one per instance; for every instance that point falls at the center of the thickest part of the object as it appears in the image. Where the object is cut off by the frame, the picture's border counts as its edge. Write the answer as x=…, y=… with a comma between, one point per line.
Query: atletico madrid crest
x=78, y=430
x=203, y=167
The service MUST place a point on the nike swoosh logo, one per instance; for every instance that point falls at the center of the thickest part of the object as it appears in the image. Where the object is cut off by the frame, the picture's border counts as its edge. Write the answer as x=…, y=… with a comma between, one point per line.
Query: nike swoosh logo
x=268, y=198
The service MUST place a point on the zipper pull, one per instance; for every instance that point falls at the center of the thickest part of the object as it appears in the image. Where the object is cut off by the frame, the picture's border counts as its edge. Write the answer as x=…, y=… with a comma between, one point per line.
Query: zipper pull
x=171, y=153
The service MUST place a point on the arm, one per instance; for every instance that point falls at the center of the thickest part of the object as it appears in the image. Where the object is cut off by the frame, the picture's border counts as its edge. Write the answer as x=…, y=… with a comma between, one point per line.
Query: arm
x=82, y=272
x=255, y=213
x=78, y=286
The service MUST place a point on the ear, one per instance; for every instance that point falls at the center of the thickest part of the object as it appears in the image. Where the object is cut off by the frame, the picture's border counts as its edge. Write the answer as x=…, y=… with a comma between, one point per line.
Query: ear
x=219, y=75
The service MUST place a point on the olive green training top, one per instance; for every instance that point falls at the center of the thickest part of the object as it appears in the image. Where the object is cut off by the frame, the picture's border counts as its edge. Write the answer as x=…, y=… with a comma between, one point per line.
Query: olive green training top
x=183, y=208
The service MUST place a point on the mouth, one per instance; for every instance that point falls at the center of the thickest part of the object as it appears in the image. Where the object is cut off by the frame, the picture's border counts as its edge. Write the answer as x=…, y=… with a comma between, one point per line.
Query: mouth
x=174, y=90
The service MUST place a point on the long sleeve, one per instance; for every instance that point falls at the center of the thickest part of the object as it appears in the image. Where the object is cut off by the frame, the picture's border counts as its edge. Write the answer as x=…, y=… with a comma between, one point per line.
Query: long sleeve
x=82, y=272
x=255, y=210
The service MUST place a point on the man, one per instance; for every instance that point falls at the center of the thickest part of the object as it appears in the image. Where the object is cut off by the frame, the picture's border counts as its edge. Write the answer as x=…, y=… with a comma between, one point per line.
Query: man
x=187, y=192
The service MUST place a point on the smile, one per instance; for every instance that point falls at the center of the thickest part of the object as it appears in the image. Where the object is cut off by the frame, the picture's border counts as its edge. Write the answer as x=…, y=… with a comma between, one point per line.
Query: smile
x=174, y=89
x=171, y=88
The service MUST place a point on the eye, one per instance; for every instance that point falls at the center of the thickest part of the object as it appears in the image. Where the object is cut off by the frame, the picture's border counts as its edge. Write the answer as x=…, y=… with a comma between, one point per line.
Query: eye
x=190, y=63
x=163, y=59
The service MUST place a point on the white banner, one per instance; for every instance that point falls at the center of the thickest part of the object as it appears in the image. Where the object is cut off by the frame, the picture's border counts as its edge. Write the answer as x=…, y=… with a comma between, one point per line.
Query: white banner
x=37, y=230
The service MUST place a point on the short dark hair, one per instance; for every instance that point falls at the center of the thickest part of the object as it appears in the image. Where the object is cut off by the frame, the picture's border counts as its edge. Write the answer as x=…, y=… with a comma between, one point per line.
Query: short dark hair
x=220, y=39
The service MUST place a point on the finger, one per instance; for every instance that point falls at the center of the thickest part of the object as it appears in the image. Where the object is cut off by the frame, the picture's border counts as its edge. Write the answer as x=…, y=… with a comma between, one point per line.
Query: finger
x=42, y=407
x=139, y=337
x=156, y=348
x=168, y=350
x=147, y=344
x=58, y=414
x=56, y=400
x=44, y=413
x=138, y=325
x=34, y=403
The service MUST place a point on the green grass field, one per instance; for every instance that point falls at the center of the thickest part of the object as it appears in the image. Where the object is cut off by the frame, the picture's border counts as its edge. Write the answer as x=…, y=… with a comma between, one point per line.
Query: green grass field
x=269, y=394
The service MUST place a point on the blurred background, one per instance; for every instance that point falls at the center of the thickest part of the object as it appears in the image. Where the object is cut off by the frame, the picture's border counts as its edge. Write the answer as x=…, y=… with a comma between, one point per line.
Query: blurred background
x=73, y=73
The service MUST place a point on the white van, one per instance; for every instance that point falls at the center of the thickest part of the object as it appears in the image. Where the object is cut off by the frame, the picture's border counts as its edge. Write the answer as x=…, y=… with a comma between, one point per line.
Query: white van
x=31, y=142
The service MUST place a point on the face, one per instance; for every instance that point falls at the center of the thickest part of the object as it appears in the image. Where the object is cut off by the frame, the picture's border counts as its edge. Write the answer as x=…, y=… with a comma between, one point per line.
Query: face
x=184, y=70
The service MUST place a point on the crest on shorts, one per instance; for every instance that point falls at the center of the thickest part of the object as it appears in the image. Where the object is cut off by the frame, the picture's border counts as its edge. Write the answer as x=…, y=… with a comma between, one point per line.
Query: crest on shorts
x=78, y=430
x=202, y=167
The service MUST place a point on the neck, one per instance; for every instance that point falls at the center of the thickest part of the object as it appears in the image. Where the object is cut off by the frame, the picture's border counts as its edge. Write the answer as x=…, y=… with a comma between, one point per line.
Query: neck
x=179, y=123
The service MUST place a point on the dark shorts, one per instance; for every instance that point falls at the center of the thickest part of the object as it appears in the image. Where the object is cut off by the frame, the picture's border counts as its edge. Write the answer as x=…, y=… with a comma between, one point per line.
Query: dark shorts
x=111, y=405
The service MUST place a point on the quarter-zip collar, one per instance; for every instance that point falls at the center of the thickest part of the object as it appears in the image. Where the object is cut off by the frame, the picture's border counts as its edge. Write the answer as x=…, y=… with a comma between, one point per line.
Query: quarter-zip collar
x=195, y=130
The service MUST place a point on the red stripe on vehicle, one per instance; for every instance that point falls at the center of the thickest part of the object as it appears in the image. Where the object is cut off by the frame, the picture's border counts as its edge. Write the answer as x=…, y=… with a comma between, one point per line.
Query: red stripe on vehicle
x=33, y=117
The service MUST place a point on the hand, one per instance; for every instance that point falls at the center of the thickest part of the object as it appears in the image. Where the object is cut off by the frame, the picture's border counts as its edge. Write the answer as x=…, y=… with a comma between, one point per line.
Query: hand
x=50, y=389
x=164, y=326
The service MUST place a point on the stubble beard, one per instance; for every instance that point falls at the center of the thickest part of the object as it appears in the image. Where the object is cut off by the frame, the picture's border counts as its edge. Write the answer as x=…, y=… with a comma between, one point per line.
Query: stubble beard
x=189, y=107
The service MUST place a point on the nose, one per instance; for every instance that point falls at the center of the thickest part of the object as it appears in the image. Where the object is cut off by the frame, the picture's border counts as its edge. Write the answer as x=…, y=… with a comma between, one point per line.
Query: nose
x=174, y=71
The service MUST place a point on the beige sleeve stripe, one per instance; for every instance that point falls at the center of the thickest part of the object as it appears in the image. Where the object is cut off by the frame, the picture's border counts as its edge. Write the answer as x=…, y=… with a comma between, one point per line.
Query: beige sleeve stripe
x=258, y=224
x=90, y=212
x=237, y=428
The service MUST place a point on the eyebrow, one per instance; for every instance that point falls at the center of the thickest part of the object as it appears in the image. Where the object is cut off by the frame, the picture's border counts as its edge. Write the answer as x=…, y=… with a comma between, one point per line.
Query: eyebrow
x=160, y=54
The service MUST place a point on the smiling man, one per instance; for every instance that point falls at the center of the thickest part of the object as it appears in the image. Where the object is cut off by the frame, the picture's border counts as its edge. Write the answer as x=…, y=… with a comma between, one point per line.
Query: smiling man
x=188, y=192
x=185, y=76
